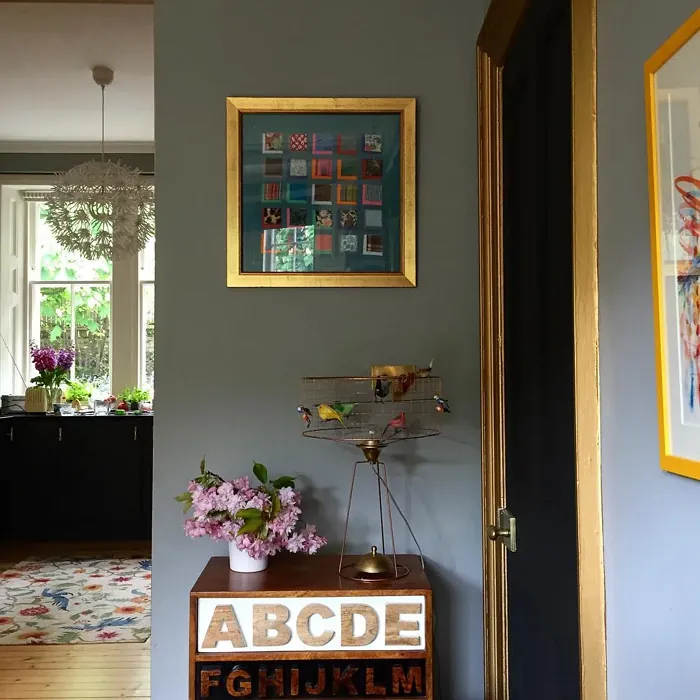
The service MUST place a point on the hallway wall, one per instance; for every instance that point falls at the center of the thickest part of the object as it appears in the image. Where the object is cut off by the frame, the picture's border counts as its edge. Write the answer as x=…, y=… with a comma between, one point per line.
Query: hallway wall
x=240, y=353
x=652, y=571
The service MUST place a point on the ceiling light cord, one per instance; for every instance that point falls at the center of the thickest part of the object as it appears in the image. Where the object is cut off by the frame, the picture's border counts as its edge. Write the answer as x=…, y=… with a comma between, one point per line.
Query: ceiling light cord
x=103, y=124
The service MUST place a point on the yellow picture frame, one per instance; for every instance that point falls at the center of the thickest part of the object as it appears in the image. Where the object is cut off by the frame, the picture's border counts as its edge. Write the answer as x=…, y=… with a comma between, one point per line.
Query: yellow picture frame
x=672, y=87
x=405, y=108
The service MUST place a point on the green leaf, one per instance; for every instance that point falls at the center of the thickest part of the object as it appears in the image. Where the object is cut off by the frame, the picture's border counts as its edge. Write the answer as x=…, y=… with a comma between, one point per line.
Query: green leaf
x=248, y=513
x=55, y=333
x=263, y=532
x=283, y=481
x=250, y=526
x=260, y=472
x=276, y=505
x=186, y=500
x=203, y=465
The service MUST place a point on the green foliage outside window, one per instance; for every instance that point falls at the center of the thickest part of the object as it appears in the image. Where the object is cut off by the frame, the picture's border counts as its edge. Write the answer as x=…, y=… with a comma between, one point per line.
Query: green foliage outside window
x=92, y=309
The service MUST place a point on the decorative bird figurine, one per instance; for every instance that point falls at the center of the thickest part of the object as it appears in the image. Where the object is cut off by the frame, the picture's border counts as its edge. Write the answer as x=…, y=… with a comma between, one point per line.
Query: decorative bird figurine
x=425, y=371
x=328, y=413
x=58, y=597
x=381, y=388
x=407, y=381
x=305, y=414
x=398, y=423
x=344, y=409
x=442, y=405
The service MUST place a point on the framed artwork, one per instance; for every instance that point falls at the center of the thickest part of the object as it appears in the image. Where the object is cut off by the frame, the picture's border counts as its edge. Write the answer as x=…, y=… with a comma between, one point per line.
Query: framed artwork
x=321, y=192
x=673, y=132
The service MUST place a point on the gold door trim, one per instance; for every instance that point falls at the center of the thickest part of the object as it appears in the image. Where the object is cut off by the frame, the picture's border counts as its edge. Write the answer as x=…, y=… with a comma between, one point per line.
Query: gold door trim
x=498, y=31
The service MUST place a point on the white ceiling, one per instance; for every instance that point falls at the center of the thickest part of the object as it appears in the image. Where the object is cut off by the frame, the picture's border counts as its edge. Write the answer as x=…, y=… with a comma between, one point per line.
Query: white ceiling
x=47, y=52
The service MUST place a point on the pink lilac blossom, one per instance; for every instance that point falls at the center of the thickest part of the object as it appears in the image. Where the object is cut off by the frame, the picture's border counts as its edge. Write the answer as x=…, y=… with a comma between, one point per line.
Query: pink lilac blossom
x=241, y=484
x=288, y=496
x=214, y=510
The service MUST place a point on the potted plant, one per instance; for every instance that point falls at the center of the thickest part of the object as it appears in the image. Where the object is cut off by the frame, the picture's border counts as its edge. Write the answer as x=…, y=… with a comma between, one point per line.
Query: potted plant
x=78, y=393
x=134, y=397
x=256, y=521
x=53, y=367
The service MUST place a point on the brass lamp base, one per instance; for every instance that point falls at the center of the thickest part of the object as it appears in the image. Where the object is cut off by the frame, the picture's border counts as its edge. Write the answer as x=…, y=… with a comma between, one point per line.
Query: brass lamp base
x=373, y=567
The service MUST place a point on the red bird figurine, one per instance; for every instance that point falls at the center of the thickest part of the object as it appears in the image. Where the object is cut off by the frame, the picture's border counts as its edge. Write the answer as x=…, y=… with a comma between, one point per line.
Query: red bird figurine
x=398, y=423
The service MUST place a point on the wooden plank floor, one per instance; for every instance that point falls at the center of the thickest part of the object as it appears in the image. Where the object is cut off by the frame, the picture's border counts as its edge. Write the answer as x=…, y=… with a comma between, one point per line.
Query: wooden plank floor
x=73, y=671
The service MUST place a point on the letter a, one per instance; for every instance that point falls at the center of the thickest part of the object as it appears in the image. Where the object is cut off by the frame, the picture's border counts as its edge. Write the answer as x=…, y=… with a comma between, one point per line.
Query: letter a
x=224, y=617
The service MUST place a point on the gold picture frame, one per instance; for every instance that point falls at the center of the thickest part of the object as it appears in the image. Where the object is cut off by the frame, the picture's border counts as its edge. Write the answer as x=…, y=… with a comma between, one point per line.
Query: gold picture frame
x=673, y=146
x=246, y=266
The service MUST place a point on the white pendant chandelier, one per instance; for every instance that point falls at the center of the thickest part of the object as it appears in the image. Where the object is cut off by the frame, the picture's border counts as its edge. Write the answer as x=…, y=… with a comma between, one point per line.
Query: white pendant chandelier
x=102, y=209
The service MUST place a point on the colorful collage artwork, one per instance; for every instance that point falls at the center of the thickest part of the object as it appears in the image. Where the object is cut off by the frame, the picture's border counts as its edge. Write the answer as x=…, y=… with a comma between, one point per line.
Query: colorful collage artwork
x=321, y=194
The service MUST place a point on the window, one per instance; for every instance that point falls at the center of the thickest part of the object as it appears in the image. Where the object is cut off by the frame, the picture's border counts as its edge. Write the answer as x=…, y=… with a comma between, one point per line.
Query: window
x=55, y=297
x=70, y=302
x=147, y=298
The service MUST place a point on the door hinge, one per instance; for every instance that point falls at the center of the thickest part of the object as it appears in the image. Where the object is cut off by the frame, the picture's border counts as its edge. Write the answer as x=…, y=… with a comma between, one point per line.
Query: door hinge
x=505, y=531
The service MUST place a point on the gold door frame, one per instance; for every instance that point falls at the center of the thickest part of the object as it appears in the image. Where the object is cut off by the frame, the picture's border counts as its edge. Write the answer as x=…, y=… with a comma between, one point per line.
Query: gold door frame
x=498, y=31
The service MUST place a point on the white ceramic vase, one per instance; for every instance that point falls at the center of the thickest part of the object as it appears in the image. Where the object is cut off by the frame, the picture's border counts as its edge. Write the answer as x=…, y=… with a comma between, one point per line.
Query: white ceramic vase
x=242, y=562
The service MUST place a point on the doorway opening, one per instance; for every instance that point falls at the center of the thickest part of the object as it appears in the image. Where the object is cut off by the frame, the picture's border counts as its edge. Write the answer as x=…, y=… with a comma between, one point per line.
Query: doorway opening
x=555, y=40
x=75, y=528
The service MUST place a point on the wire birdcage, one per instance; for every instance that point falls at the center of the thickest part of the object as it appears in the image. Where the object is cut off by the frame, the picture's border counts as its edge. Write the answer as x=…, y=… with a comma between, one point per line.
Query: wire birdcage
x=372, y=413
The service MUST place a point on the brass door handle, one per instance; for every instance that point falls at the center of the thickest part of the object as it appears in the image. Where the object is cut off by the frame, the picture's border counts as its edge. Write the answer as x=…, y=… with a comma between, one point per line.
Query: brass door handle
x=494, y=532
x=504, y=531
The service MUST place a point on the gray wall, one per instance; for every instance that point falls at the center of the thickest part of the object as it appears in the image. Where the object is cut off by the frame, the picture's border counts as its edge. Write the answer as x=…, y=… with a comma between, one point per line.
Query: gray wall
x=241, y=353
x=652, y=568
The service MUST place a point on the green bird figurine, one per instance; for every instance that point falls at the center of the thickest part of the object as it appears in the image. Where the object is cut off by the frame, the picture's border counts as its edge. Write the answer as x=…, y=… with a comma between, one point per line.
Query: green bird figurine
x=344, y=409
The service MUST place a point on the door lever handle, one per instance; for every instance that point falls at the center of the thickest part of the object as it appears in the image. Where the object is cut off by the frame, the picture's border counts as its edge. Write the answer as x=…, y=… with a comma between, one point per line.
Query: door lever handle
x=495, y=532
x=505, y=531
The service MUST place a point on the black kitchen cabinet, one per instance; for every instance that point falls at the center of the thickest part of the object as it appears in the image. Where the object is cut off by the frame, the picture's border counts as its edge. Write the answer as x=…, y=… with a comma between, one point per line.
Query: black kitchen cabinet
x=76, y=478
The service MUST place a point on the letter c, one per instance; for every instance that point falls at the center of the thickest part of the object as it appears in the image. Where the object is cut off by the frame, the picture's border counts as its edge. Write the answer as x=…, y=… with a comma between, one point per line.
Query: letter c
x=304, y=629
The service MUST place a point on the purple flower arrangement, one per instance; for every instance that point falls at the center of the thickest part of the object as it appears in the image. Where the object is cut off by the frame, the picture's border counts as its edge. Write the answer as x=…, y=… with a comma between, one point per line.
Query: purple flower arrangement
x=261, y=520
x=53, y=365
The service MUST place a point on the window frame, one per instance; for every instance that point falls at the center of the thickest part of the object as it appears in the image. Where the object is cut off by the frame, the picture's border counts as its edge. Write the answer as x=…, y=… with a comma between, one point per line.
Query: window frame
x=126, y=290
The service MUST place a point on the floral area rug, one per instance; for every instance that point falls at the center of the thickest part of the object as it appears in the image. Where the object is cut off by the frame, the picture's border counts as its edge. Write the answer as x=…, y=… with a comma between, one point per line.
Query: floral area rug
x=75, y=601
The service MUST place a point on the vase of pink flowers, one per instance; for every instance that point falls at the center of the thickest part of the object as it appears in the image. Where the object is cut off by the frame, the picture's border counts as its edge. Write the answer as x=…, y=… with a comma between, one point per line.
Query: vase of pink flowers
x=54, y=368
x=257, y=521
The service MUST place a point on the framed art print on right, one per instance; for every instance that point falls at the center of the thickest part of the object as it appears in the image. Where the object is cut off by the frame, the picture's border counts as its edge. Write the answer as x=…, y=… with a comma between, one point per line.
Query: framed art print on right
x=673, y=136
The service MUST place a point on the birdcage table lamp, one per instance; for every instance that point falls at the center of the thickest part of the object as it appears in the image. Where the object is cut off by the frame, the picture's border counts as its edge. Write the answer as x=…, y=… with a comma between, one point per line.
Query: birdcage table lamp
x=372, y=413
